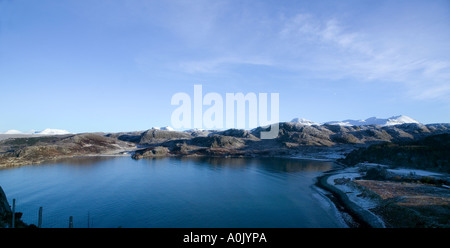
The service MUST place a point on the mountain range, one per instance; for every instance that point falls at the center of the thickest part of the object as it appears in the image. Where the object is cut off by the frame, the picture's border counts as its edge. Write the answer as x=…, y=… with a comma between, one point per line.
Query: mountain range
x=299, y=138
x=391, y=121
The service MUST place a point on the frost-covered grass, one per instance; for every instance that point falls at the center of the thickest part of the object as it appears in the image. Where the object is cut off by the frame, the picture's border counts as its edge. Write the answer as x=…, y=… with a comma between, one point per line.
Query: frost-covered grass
x=353, y=193
x=404, y=171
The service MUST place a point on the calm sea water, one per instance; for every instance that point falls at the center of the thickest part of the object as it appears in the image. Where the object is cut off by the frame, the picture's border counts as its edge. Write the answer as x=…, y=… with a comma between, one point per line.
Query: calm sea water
x=171, y=192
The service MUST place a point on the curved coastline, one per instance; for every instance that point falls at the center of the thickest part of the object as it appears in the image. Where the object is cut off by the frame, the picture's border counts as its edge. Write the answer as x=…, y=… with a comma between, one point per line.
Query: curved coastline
x=362, y=217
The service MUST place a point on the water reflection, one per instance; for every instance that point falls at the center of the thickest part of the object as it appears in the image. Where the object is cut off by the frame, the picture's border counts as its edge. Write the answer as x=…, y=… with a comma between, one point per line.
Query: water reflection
x=171, y=192
x=84, y=160
x=275, y=165
x=72, y=161
x=268, y=164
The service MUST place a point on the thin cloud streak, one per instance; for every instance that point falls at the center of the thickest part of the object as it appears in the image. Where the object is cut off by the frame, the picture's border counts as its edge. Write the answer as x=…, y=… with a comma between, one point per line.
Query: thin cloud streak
x=359, y=57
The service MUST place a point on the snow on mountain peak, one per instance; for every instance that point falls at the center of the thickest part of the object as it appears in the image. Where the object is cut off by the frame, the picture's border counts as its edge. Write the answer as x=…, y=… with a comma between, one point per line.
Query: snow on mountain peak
x=401, y=119
x=167, y=128
x=304, y=121
x=394, y=120
x=12, y=131
x=47, y=131
x=52, y=132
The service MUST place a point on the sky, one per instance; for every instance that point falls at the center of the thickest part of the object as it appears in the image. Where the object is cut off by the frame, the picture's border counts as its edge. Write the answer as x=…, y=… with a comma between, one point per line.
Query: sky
x=88, y=66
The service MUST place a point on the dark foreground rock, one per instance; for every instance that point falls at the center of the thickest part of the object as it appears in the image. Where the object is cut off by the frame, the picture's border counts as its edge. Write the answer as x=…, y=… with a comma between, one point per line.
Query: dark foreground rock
x=6, y=213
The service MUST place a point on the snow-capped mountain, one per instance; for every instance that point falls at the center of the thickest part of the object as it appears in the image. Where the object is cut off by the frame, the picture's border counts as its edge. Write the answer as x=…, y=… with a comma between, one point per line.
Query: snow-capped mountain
x=47, y=131
x=12, y=131
x=394, y=120
x=166, y=128
x=401, y=119
x=304, y=122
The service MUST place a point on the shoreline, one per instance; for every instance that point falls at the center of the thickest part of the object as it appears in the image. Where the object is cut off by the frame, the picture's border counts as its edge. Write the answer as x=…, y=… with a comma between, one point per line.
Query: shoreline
x=360, y=217
x=357, y=216
x=379, y=196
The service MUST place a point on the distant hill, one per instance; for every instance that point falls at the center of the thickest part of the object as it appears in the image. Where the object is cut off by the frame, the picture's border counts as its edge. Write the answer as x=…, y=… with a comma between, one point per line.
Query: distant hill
x=431, y=152
x=299, y=134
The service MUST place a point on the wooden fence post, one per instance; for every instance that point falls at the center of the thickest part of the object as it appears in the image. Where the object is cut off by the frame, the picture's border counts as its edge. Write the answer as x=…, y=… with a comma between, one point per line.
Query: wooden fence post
x=40, y=218
x=13, y=219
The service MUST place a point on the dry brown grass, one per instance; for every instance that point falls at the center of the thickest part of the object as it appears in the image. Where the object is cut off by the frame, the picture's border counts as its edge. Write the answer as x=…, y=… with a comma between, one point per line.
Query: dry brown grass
x=410, y=204
x=408, y=194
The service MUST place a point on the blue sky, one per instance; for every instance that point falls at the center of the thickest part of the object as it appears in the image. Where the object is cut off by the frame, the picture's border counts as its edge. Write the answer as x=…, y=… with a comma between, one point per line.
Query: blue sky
x=89, y=66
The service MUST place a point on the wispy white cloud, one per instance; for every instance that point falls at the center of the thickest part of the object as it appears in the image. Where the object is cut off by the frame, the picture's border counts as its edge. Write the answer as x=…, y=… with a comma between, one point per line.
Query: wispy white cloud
x=219, y=38
x=306, y=28
x=355, y=54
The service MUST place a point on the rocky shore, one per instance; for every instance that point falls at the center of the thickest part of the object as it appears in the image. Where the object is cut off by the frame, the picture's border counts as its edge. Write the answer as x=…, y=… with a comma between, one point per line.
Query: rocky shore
x=360, y=217
x=36, y=150
x=376, y=196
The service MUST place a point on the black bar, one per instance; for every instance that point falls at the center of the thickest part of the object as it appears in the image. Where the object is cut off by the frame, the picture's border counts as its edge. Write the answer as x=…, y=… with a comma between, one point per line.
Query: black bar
x=231, y=237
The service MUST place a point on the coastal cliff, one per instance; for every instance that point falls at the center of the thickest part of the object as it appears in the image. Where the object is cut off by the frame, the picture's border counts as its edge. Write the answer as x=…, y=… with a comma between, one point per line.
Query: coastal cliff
x=5, y=209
